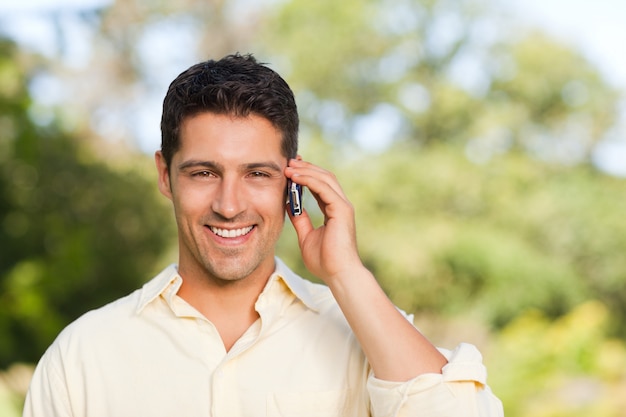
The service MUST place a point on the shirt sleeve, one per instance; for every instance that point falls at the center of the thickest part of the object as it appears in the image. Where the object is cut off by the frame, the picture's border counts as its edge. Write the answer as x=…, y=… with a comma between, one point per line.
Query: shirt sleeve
x=460, y=390
x=48, y=395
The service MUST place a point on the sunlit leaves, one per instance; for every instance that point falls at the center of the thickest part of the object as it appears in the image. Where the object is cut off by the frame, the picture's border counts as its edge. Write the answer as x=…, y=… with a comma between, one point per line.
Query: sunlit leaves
x=75, y=232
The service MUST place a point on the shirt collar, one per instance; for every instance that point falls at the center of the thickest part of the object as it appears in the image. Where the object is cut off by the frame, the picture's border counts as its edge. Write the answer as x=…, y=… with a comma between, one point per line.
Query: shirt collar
x=168, y=282
x=300, y=287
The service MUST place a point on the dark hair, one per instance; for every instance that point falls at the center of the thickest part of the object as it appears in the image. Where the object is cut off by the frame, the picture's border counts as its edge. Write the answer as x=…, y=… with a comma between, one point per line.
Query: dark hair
x=235, y=85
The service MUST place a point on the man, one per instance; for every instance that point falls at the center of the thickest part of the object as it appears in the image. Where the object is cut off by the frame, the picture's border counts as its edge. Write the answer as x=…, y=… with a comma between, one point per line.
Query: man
x=230, y=330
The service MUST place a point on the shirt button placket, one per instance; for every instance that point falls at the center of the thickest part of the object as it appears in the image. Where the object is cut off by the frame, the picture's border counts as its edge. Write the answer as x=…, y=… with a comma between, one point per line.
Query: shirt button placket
x=223, y=394
x=217, y=392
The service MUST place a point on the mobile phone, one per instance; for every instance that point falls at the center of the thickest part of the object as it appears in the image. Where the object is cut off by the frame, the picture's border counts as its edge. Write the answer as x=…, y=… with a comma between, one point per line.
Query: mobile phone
x=294, y=198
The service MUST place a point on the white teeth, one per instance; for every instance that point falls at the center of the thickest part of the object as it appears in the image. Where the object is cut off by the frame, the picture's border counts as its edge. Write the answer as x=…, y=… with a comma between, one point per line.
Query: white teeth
x=231, y=232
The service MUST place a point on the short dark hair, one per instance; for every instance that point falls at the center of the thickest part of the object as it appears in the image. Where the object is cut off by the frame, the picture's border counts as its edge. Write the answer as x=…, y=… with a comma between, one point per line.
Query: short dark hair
x=235, y=85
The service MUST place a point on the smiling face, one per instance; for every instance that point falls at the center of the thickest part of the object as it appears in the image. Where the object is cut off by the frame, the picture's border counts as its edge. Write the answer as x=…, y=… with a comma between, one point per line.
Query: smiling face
x=227, y=185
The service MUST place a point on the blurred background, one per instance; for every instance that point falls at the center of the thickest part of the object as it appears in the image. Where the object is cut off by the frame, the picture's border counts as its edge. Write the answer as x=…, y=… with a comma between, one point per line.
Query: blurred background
x=482, y=142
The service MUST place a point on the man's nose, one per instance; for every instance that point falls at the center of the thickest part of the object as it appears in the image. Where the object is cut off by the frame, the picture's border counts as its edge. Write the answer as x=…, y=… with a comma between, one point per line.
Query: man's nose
x=229, y=199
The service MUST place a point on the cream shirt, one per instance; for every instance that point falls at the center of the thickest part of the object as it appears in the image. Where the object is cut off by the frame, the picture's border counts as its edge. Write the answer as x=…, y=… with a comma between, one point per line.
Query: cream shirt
x=152, y=354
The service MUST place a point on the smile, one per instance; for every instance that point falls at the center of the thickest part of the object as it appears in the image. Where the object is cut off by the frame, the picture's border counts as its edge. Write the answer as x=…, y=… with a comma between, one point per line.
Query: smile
x=231, y=232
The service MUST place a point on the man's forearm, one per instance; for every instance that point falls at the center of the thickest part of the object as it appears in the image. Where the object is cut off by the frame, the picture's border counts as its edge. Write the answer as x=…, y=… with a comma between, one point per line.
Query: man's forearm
x=395, y=349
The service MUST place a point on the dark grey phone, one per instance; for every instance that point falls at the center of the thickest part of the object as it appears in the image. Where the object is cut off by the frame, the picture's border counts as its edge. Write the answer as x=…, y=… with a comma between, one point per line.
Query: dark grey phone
x=294, y=198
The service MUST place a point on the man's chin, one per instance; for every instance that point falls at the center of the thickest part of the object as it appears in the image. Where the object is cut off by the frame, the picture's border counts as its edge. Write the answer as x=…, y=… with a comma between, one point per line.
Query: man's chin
x=230, y=268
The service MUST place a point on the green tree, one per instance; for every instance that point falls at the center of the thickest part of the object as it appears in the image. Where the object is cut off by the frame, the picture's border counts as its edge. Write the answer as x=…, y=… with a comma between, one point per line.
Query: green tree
x=75, y=232
x=446, y=235
x=439, y=66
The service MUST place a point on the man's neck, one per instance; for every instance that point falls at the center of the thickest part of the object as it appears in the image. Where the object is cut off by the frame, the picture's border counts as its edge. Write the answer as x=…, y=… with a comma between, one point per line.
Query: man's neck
x=229, y=305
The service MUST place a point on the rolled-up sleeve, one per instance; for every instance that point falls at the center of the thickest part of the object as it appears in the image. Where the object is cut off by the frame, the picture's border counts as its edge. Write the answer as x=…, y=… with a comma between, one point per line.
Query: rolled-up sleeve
x=460, y=390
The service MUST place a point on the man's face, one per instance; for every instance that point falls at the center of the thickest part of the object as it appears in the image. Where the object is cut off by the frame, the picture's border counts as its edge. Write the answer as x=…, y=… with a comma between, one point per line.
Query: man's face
x=227, y=186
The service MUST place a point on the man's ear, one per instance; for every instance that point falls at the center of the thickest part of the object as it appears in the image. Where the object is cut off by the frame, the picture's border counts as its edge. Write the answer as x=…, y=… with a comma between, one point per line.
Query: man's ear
x=165, y=186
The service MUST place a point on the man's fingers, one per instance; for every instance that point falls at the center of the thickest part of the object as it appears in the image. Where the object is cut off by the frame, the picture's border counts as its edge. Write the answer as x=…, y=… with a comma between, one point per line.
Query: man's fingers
x=314, y=177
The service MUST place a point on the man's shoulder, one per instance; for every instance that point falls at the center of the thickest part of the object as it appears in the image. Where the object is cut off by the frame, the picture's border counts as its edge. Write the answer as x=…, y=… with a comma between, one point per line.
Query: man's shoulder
x=103, y=318
x=115, y=318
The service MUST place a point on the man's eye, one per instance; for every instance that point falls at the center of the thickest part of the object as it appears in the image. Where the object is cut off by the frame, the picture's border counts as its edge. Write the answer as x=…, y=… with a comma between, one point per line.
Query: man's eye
x=258, y=174
x=202, y=174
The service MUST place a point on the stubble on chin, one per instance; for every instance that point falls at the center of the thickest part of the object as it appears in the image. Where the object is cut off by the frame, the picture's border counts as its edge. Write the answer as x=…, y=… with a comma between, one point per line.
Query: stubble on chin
x=233, y=265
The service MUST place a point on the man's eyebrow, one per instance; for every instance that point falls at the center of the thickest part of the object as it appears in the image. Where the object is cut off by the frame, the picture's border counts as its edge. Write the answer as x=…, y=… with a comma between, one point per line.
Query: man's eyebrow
x=263, y=165
x=193, y=163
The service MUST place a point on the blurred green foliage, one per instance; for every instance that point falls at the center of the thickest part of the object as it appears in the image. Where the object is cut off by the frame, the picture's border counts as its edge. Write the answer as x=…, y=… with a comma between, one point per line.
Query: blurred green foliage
x=435, y=64
x=75, y=233
x=556, y=368
x=449, y=236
